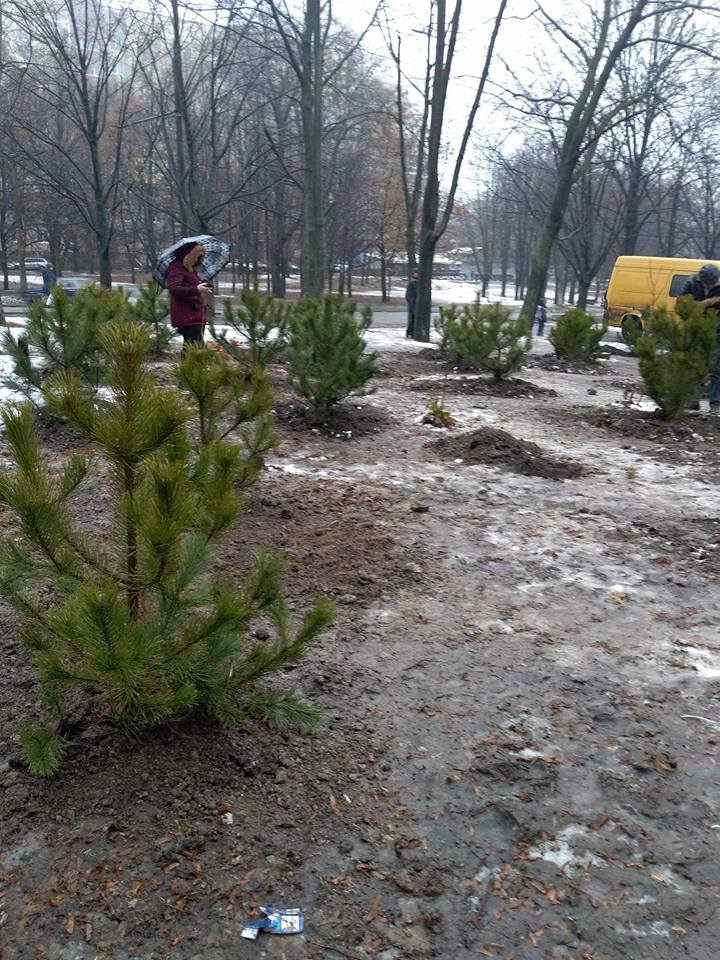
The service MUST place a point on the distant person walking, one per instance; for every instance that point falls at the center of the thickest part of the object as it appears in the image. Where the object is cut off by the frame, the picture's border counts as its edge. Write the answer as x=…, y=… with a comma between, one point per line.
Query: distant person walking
x=48, y=278
x=541, y=317
x=188, y=293
x=705, y=288
x=411, y=299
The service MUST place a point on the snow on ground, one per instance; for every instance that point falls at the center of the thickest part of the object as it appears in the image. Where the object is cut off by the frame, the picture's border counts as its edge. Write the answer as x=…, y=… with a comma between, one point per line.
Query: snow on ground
x=7, y=395
x=383, y=338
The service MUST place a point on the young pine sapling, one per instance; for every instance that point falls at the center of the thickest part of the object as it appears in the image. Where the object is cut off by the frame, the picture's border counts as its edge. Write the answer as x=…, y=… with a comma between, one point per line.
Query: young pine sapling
x=130, y=620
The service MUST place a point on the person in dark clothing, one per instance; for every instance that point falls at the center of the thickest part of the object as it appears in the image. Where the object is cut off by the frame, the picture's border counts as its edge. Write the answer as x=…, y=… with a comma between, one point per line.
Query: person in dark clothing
x=705, y=288
x=48, y=278
x=411, y=298
x=188, y=293
x=541, y=317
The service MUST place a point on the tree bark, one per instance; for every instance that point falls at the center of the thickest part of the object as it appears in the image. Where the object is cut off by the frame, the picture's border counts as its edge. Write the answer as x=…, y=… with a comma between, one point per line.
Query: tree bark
x=433, y=224
x=313, y=236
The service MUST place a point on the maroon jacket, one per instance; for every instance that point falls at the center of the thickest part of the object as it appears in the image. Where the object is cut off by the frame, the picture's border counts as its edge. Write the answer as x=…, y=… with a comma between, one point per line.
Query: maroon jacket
x=186, y=304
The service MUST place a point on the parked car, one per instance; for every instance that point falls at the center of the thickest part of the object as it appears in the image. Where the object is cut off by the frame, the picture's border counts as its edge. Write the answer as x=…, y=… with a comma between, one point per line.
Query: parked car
x=33, y=264
x=71, y=286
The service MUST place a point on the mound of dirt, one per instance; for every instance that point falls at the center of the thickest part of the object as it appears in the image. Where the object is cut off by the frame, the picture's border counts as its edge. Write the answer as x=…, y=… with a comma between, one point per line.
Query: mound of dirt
x=351, y=419
x=481, y=386
x=401, y=365
x=496, y=448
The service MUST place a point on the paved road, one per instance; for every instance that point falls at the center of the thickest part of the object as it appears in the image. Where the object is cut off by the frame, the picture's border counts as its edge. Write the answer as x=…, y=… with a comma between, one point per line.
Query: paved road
x=385, y=318
x=389, y=319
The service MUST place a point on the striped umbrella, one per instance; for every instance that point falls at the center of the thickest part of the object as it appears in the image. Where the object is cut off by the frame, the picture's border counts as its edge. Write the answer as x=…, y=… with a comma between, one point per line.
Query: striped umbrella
x=217, y=255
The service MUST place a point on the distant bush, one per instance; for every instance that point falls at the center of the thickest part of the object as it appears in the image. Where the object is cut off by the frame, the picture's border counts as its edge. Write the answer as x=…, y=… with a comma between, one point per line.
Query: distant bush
x=327, y=352
x=443, y=324
x=577, y=336
x=261, y=322
x=486, y=336
x=152, y=309
x=229, y=403
x=62, y=337
x=676, y=354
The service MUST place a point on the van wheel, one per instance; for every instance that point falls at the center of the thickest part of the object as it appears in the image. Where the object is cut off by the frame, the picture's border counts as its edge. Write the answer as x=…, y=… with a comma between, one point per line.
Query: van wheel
x=631, y=330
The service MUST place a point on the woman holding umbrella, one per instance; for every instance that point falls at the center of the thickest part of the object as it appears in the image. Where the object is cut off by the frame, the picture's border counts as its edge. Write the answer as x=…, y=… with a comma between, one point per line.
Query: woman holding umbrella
x=185, y=269
x=188, y=293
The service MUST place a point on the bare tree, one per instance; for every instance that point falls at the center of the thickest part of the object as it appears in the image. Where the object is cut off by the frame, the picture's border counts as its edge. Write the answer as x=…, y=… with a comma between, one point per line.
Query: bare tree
x=598, y=48
x=434, y=220
x=594, y=215
x=412, y=136
x=72, y=99
x=651, y=82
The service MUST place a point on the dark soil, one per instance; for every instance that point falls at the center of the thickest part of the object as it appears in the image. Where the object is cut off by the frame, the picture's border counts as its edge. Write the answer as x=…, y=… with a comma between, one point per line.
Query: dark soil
x=483, y=387
x=351, y=418
x=629, y=387
x=166, y=841
x=553, y=363
x=429, y=354
x=496, y=448
x=408, y=365
x=164, y=844
x=508, y=770
x=695, y=539
x=445, y=361
x=338, y=542
x=675, y=441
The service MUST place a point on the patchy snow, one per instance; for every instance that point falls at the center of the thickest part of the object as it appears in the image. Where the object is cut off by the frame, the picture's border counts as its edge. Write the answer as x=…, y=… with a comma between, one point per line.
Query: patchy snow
x=7, y=395
x=644, y=406
x=527, y=753
x=706, y=662
x=393, y=338
x=561, y=853
x=656, y=928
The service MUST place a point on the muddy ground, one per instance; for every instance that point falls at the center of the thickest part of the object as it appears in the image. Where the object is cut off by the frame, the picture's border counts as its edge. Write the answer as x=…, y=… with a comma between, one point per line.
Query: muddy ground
x=507, y=769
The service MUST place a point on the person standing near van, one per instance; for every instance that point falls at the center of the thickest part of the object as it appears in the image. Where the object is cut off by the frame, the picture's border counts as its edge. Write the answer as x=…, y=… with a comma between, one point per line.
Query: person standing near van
x=411, y=300
x=48, y=278
x=541, y=317
x=704, y=287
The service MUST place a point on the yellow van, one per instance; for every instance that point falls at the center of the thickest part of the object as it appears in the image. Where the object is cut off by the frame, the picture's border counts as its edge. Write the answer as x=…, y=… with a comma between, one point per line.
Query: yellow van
x=638, y=283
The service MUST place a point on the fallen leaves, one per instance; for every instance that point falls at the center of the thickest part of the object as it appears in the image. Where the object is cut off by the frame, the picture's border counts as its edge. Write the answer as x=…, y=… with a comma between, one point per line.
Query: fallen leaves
x=340, y=881
x=374, y=911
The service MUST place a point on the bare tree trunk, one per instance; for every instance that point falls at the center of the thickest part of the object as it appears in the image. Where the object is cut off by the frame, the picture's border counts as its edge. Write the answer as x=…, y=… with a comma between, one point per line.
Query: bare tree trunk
x=313, y=237
x=102, y=238
x=582, y=293
x=17, y=176
x=432, y=224
x=278, y=272
x=670, y=239
x=631, y=231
